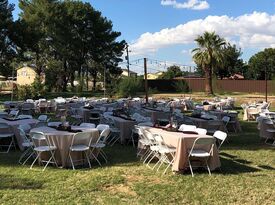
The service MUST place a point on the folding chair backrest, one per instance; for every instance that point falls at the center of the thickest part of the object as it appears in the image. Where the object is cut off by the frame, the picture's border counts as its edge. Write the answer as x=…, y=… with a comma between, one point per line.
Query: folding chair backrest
x=201, y=131
x=150, y=137
x=185, y=127
x=204, y=141
x=43, y=118
x=89, y=125
x=83, y=138
x=226, y=119
x=159, y=139
x=25, y=127
x=24, y=117
x=102, y=127
x=14, y=112
x=220, y=135
x=104, y=135
x=37, y=136
x=22, y=135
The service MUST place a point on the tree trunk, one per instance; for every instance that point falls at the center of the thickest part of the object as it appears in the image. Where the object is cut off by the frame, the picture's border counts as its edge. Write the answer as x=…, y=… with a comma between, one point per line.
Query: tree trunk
x=208, y=82
x=94, y=80
x=65, y=79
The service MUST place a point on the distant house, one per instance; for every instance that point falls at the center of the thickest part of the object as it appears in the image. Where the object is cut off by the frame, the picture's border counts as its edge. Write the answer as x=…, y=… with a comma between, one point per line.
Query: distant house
x=125, y=73
x=236, y=76
x=26, y=75
x=153, y=76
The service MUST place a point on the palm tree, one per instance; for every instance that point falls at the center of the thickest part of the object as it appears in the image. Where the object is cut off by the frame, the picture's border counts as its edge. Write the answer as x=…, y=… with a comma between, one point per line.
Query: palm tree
x=208, y=54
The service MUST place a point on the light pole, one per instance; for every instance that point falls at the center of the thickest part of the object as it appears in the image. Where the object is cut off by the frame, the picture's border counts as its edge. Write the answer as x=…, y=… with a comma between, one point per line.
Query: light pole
x=127, y=58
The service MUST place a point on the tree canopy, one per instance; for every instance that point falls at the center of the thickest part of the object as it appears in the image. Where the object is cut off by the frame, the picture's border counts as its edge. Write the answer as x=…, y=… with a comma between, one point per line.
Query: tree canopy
x=172, y=72
x=67, y=40
x=261, y=62
x=7, y=47
x=208, y=55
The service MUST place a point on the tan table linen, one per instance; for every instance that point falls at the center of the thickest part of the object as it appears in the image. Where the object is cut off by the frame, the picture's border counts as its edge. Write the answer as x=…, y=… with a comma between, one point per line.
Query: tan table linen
x=125, y=127
x=15, y=124
x=183, y=143
x=233, y=116
x=62, y=140
x=264, y=126
x=202, y=123
x=156, y=115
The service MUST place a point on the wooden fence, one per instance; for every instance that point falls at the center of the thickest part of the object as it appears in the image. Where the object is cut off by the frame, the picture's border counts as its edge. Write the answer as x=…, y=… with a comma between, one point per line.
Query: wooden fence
x=197, y=85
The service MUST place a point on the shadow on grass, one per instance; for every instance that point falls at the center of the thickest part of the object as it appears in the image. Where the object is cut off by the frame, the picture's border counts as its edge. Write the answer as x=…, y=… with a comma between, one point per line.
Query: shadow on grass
x=235, y=166
x=267, y=167
x=11, y=182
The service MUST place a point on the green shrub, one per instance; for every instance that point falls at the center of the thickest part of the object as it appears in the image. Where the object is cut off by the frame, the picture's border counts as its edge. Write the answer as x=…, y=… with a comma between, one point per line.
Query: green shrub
x=129, y=86
x=24, y=92
x=181, y=86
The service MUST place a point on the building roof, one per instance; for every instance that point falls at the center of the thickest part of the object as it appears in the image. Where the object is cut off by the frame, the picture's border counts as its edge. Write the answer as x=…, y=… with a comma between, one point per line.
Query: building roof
x=126, y=70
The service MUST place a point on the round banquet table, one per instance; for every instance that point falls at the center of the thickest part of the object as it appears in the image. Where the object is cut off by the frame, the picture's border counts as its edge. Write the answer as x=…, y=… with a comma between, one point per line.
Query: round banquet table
x=183, y=142
x=62, y=140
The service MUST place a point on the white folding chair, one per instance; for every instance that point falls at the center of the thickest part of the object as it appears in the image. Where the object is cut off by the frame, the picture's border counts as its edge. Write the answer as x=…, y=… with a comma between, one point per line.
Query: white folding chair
x=132, y=137
x=99, y=145
x=102, y=127
x=6, y=133
x=197, y=152
x=42, y=118
x=227, y=121
x=144, y=144
x=167, y=154
x=24, y=117
x=42, y=145
x=201, y=131
x=81, y=142
x=185, y=127
x=221, y=137
x=14, y=113
x=27, y=145
x=153, y=146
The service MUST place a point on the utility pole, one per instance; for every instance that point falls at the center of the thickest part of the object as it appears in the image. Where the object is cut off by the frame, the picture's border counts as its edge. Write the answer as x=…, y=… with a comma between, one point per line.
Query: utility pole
x=12, y=83
x=127, y=58
x=145, y=78
x=104, y=81
x=266, y=63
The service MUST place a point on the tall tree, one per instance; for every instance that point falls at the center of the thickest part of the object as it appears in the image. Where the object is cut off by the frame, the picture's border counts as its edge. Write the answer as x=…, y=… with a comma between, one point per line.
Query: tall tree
x=261, y=62
x=232, y=63
x=208, y=55
x=7, y=47
x=172, y=72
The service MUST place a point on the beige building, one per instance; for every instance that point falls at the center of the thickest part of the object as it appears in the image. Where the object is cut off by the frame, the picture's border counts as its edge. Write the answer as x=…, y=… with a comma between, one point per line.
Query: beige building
x=26, y=75
x=125, y=73
x=153, y=76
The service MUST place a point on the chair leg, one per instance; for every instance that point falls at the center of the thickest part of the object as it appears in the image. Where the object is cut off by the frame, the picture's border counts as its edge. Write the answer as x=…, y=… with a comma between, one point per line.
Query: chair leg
x=208, y=167
x=190, y=166
x=28, y=157
x=88, y=159
x=47, y=163
x=71, y=160
x=38, y=155
x=96, y=159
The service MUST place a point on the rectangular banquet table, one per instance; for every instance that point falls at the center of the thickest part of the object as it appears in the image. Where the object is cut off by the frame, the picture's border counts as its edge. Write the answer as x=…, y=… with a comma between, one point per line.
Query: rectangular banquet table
x=183, y=143
x=204, y=123
x=62, y=140
x=156, y=114
x=125, y=127
x=15, y=124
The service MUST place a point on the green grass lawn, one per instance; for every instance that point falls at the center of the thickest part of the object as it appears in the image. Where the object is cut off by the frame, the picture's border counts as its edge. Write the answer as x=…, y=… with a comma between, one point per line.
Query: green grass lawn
x=247, y=177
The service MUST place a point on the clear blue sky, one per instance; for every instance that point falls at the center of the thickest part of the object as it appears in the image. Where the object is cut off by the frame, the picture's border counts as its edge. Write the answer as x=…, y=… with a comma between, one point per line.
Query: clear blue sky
x=170, y=26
